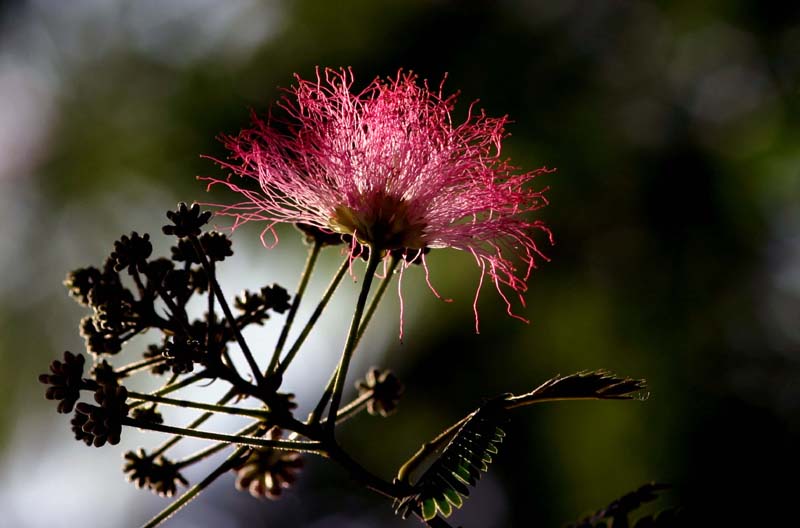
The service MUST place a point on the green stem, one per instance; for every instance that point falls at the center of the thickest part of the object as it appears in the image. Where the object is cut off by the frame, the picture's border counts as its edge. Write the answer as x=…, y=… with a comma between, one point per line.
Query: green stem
x=250, y=441
x=132, y=368
x=301, y=289
x=232, y=461
x=171, y=386
x=349, y=346
x=212, y=279
x=207, y=452
x=326, y=297
x=316, y=414
x=194, y=425
x=527, y=399
x=373, y=305
x=251, y=413
x=354, y=407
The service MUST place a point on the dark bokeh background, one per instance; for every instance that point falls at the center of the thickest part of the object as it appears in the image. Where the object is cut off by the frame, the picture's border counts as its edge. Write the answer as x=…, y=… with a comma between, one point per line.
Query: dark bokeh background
x=676, y=210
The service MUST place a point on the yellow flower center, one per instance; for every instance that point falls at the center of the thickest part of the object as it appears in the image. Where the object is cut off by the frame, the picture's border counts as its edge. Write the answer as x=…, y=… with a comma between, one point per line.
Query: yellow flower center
x=385, y=223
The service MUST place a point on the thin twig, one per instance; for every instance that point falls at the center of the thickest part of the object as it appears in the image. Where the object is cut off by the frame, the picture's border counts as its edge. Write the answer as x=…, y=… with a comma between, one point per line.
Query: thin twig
x=236, y=411
x=232, y=461
x=316, y=414
x=194, y=424
x=251, y=441
x=281, y=369
x=207, y=452
x=212, y=280
x=298, y=296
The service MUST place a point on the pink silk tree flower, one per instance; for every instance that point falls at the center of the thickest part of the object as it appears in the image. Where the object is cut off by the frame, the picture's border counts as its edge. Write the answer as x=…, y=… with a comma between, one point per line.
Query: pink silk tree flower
x=388, y=166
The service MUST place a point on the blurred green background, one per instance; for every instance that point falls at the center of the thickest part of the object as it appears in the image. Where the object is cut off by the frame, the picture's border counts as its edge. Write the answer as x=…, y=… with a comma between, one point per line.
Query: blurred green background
x=676, y=211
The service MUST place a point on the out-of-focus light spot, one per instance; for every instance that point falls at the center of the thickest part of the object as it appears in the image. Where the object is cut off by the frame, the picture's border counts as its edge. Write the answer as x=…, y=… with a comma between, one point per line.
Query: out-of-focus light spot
x=17, y=210
x=178, y=32
x=644, y=121
x=781, y=311
x=729, y=92
x=718, y=74
x=26, y=109
x=76, y=498
x=184, y=31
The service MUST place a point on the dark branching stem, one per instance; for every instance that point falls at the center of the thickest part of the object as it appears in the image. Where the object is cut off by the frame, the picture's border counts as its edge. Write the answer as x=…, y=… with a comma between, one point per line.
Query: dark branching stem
x=352, y=336
x=357, y=471
x=438, y=522
x=321, y=440
x=298, y=296
x=212, y=279
x=212, y=320
x=177, y=312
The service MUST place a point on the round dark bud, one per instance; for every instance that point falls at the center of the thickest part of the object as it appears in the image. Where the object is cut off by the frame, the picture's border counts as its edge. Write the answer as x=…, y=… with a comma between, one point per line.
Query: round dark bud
x=267, y=471
x=132, y=253
x=103, y=372
x=185, y=252
x=314, y=234
x=102, y=422
x=157, y=271
x=276, y=298
x=81, y=281
x=177, y=283
x=216, y=245
x=154, y=351
x=386, y=391
x=182, y=354
x=186, y=221
x=97, y=341
x=147, y=415
x=159, y=474
x=65, y=381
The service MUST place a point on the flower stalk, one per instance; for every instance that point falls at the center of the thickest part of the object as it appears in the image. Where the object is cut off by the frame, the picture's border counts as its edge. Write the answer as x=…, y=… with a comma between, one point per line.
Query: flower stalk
x=312, y=320
x=305, y=276
x=352, y=337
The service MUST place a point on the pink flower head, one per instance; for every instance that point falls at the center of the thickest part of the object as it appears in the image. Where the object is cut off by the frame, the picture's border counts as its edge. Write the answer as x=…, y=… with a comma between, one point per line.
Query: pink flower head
x=388, y=166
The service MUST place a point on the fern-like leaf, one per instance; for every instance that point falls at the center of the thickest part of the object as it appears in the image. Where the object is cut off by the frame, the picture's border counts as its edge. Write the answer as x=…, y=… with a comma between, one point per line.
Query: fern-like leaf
x=595, y=385
x=619, y=510
x=446, y=483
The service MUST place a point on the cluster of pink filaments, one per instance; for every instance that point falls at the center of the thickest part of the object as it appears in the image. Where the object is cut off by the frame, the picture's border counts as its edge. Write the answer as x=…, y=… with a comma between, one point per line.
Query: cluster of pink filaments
x=388, y=166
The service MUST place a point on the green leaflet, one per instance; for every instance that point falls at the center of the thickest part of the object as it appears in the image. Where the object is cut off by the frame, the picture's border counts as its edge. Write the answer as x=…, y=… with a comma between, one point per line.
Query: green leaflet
x=445, y=484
